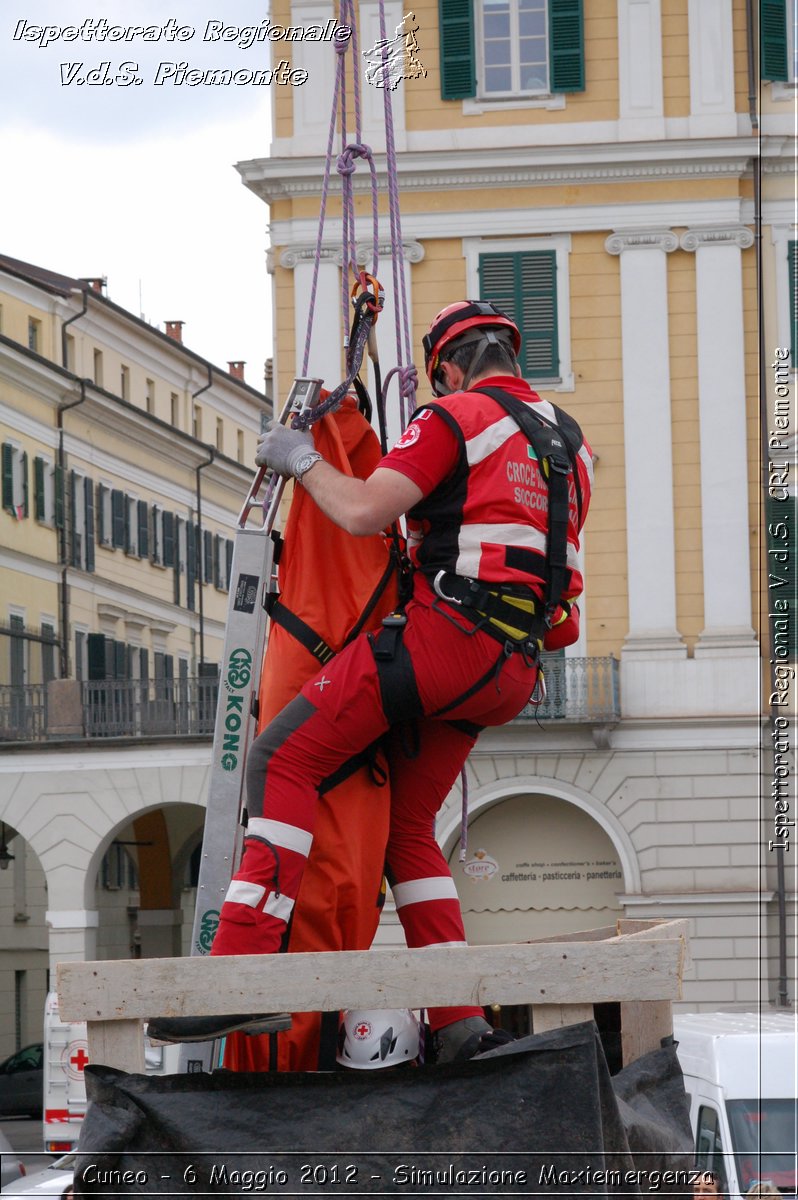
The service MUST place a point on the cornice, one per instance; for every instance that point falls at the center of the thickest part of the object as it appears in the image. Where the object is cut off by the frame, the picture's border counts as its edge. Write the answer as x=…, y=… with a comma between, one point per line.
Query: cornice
x=286, y=177
x=729, y=235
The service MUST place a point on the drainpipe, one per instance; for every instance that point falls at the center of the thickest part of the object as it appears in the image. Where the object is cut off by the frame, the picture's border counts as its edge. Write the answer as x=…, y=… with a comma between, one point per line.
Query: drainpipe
x=63, y=651
x=199, y=549
x=781, y=880
x=82, y=313
x=62, y=541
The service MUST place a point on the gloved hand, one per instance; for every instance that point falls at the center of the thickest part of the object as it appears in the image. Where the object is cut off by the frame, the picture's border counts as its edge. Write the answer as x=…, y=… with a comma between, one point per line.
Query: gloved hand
x=281, y=448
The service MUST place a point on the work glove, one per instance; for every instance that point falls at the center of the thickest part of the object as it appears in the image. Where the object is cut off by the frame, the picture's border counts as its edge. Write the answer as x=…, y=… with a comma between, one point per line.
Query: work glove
x=281, y=448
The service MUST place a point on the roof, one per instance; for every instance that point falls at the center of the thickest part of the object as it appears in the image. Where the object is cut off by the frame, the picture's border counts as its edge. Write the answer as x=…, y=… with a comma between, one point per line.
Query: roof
x=51, y=281
x=65, y=285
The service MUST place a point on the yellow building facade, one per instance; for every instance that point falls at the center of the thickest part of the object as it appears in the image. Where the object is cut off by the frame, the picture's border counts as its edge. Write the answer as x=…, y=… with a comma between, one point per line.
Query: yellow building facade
x=619, y=177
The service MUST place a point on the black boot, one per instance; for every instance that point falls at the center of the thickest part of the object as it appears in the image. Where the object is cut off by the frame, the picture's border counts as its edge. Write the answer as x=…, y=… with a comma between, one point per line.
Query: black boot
x=467, y=1039
x=205, y=1029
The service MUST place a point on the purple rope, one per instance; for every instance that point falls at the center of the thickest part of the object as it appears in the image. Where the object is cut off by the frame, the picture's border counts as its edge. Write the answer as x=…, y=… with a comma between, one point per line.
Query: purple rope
x=408, y=376
x=464, y=816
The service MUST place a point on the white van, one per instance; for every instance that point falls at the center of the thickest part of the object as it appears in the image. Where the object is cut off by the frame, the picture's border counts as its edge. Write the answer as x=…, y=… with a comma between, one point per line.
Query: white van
x=66, y=1054
x=740, y=1075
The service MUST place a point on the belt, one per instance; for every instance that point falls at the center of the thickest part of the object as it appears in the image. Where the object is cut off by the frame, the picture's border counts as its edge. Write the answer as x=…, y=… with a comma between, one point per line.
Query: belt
x=506, y=611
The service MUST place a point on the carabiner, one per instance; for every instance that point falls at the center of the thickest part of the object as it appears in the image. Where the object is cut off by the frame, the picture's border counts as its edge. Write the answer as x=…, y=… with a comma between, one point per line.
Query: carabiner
x=366, y=281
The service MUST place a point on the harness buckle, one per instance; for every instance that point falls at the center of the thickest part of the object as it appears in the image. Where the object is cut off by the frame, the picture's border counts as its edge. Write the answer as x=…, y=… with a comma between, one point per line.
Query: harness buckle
x=394, y=620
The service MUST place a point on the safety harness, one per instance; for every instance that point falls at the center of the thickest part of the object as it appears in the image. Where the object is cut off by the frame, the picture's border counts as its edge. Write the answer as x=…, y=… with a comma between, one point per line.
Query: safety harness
x=512, y=612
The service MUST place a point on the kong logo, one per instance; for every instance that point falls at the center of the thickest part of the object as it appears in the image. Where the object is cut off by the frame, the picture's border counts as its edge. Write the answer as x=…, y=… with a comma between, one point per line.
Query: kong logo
x=239, y=674
x=208, y=926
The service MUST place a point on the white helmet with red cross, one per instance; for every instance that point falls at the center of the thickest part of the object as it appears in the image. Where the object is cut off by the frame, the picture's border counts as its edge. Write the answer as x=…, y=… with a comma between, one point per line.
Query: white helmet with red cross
x=461, y=323
x=369, y=1039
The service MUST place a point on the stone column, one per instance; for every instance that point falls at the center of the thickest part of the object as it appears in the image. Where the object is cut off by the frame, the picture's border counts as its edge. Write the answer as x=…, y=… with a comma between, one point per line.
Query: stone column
x=160, y=932
x=647, y=436
x=326, y=344
x=722, y=424
x=73, y=936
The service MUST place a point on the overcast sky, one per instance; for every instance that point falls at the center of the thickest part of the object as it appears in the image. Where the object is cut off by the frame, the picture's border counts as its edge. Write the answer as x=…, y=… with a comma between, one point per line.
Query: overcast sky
x=137, y=183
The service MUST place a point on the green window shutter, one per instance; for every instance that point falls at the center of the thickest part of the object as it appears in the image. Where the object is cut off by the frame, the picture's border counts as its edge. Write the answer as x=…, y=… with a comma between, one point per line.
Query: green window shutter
x=792, y=262
x=524, y=285
x=58, y=497
x=773, y=40
x=39, y=467
x=88, y=509
x=566, y=46
x=102, y=532
x=457, y=58
x=99, y=658
x=118, y=508
x=25, y=497
x=74, y=532
x=207, y=556
x=168, y=539
x=782, y=547
x=142, y=514
x=8, y=477
x=191, y=562
x=228, y=571
x=177, y=564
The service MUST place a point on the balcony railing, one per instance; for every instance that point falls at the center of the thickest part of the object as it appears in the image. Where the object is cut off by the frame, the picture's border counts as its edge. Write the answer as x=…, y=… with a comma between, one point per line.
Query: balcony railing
x=23, y=712
x=150, y=708
x=578, y=689
x=111, y=709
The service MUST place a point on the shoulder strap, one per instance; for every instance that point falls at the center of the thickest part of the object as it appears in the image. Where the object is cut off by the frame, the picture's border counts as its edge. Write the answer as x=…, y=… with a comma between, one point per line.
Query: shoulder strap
x=557, y=459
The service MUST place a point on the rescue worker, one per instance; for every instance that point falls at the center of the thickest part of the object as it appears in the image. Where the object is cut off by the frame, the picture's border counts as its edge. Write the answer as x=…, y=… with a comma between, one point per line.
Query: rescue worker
x=493, y=535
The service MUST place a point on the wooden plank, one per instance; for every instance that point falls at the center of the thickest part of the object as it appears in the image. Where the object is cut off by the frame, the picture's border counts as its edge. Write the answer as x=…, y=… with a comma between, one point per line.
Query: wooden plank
x=117, y=1044
x=586, y=935
x=653, y=931
x=549, y=973
x=644, y=1023
x=555, y=1016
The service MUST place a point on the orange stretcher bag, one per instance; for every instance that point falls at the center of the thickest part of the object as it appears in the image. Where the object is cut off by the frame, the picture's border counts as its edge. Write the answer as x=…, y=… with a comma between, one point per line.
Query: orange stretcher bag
x=327, y=578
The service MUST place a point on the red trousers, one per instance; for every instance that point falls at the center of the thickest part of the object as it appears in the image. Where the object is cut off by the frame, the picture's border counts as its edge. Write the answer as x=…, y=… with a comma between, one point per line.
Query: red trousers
x=336, y=716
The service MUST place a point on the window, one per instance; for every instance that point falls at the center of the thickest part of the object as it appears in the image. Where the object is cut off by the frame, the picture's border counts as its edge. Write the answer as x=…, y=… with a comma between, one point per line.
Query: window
x=49, y=643
x=70, y=352
x=34, y=335
x=98, y=368
x=124, y=383
x=18, y=651
x=150, y=400
x=240, y=446
x=779, y=40
x=709, y=1145
x=513, y=49
x=502, y=49
x=528, y=279
x=219, y=433
x=81, y=522
x=197, y=422
x=15, y=481
x=175, y=410
x=132, y=526
x=81, y=654
x=43, y=491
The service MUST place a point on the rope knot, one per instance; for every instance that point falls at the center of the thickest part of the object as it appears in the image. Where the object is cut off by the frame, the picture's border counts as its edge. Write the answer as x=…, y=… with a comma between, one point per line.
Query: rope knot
x=346, y=160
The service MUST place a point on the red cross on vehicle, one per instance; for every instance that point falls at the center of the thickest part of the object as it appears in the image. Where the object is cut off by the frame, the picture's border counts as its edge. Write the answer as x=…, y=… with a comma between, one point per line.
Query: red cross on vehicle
x=80, y=1059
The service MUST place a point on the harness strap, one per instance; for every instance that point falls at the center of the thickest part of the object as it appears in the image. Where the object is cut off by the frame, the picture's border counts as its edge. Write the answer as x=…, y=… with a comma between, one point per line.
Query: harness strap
x=299, y=629
x=557, y=462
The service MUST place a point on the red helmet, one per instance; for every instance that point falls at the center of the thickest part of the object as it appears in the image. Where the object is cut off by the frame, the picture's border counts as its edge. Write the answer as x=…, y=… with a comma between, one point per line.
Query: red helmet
x=455, y=320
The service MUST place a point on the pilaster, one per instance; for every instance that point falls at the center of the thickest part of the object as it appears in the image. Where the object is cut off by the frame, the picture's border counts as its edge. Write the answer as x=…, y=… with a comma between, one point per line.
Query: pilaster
x=641, y=109
x=647, y=436
x=723, y=450
x=711, y=34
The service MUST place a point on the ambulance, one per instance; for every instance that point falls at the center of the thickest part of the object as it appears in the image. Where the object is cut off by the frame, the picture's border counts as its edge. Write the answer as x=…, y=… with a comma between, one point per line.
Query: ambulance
x=66, y=1055
x=740, y=1077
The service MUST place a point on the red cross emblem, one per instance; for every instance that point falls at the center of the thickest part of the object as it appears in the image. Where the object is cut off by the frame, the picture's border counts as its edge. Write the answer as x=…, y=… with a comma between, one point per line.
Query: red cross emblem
x=362, y=1030
x=80, y=1059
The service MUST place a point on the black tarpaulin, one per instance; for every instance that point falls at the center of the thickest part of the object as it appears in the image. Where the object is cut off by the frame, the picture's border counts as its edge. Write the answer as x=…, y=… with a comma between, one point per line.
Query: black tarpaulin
x=537, y=1116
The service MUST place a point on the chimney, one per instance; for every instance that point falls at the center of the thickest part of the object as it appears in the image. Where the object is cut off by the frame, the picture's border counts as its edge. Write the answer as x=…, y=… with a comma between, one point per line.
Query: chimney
x=236, y=369
x=97, y=284
x=268, y=370
x=174, y=329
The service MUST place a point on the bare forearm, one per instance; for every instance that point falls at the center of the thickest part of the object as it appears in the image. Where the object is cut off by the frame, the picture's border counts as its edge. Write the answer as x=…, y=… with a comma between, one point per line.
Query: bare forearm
x=361, y=507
